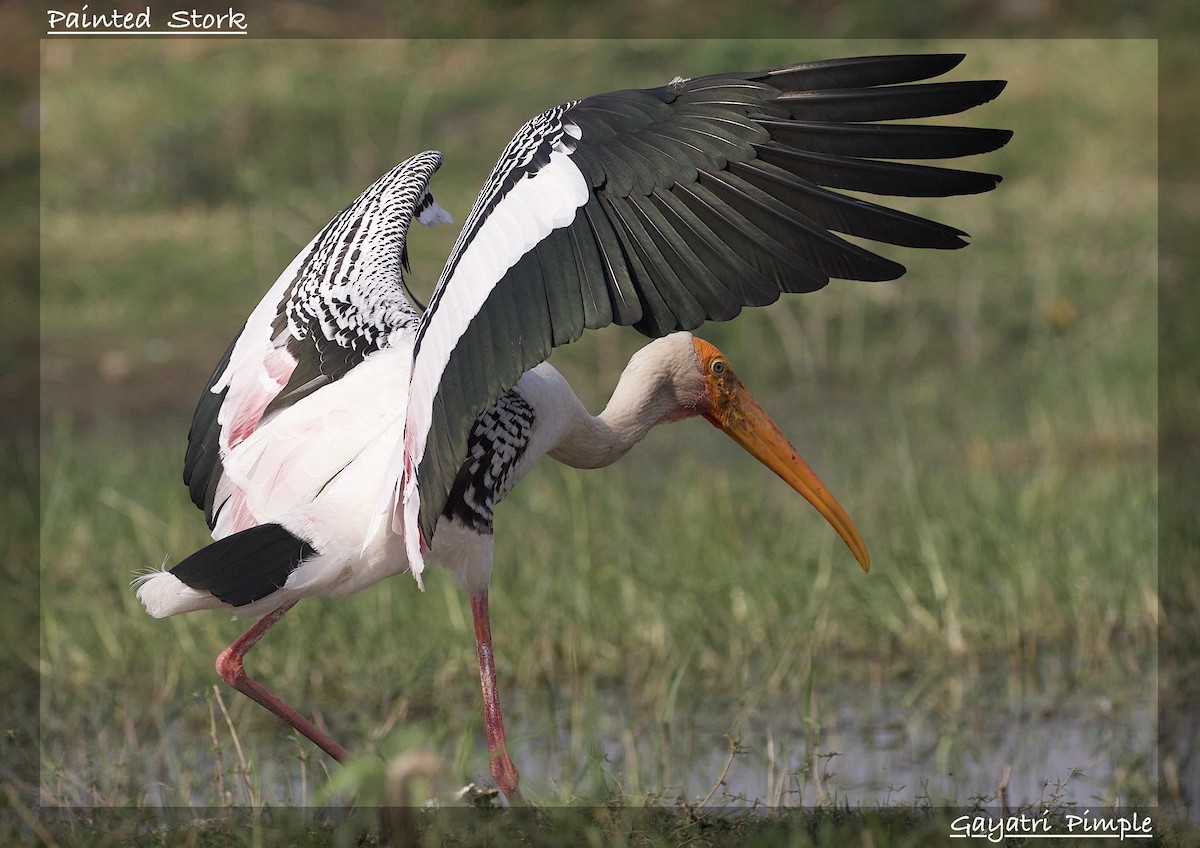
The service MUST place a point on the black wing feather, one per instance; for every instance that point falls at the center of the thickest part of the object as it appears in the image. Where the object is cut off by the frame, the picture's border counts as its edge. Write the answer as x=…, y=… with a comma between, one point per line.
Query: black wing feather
x=896, y=179
x=706, y=195
x=202, y=468
x=750, y=288
x=597, y=307
x=657, y=319
x=886, y=141
x=785, y=270
x=717, y=302
x=565, y=300
x=834, y=256
x=858, y=71
x=848, y=215
x=623, y=295
x=891, y=103
x=683, y=311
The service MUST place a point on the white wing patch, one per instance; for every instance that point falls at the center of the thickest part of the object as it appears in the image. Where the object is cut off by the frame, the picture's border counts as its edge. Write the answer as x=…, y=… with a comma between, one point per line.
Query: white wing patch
x=534, y=207
x=287, y=462
x=257, y=370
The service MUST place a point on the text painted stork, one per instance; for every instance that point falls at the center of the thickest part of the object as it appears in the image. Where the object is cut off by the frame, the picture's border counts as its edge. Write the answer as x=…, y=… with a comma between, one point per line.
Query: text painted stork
x=345, y=438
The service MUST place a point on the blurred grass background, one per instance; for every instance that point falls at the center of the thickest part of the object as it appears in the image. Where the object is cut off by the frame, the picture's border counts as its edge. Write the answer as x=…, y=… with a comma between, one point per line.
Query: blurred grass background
x=989, y=421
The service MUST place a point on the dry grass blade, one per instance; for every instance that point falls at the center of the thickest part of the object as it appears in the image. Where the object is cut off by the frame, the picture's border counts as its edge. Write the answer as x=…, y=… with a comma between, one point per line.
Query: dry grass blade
x=243, y=764
x=27, y=816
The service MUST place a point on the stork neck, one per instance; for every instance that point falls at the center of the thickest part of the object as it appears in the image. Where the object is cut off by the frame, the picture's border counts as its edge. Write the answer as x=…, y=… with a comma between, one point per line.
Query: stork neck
x=638, y=403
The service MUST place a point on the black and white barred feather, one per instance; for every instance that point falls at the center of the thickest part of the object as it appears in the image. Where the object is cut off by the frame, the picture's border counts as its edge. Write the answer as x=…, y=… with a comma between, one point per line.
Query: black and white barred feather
x=496, y=444
x=349, y=296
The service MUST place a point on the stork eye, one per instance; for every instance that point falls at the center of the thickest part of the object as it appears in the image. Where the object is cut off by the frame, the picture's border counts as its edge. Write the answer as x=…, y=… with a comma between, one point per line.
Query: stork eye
x=717, y=366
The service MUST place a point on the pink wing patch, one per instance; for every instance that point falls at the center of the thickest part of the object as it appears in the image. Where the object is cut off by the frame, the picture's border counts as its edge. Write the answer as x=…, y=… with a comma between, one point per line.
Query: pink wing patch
x=234, y=515
x=250, y=395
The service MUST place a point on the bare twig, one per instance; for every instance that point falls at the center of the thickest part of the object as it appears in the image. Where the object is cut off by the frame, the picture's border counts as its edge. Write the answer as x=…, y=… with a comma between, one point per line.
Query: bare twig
x=1003, y=788
x=243, y=766
x=772, y=793
x=734, y=746
x=218, y=765
x=303, y=801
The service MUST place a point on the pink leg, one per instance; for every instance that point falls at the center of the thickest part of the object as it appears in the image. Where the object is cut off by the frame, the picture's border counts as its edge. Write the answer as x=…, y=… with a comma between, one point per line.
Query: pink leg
x=229, y=666
x=503, y=770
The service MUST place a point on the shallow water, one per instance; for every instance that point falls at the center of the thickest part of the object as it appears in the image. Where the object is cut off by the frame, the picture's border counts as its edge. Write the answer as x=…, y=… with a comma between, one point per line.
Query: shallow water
x=946, y=739
x=949, y=742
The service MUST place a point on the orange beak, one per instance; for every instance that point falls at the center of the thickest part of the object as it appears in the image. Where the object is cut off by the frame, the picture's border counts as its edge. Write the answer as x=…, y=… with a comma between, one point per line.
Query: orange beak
x=735, y=411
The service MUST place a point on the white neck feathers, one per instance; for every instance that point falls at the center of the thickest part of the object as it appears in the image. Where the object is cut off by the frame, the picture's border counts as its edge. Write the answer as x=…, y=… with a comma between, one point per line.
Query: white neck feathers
x=661, y=383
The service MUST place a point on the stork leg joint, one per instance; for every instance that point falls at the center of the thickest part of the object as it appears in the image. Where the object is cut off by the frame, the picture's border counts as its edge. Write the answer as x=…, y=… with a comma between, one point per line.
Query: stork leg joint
x=230, y=668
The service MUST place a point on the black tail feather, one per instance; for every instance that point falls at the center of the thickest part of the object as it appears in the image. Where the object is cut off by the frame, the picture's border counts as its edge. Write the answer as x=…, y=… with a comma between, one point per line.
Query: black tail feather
x=246, y=566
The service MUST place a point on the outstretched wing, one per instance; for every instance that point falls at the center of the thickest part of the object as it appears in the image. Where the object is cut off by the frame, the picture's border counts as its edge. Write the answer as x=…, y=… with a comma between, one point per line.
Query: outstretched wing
x=340, y=300
x=663, y=208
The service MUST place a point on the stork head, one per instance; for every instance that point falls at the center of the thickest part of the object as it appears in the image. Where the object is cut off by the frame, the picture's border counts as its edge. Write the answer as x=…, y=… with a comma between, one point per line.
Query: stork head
x=707, y=385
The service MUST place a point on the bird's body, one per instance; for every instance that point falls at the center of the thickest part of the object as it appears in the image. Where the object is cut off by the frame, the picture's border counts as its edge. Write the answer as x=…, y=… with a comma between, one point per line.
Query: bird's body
x=346, y=438
x=337, y=547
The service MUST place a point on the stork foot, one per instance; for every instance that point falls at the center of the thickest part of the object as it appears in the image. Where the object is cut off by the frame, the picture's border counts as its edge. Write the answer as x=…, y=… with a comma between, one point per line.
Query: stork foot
x=506, y=777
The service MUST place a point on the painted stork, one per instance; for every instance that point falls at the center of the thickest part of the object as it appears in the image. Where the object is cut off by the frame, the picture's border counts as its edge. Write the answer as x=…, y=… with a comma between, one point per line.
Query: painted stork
x=345, y=437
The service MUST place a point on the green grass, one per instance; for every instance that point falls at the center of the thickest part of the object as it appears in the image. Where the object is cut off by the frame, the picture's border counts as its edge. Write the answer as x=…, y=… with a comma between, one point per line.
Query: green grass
x=989, y=422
